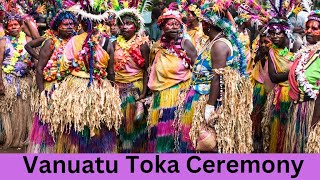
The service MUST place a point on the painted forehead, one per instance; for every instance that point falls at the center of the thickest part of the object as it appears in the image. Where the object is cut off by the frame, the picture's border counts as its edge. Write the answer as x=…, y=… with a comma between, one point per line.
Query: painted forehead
x=313, y=23
x=172, y=21
x=67, y=21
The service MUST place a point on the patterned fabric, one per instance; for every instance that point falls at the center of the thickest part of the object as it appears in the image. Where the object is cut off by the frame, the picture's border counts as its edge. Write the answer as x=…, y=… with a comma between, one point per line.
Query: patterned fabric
x=277, y=110
x=128, y=60
x=133, y=131
x=72, y=60
x=259, y=101
x=162, y=118
x=202, y=72
x=167, y=69
x=245, y=40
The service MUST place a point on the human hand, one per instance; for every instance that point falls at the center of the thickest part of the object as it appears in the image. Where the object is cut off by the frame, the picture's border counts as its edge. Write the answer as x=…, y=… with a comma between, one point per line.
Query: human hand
x=210, y=114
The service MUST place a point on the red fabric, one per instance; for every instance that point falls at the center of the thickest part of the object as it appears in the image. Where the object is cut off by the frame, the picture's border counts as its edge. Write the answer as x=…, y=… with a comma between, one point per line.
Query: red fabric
x=294, y=86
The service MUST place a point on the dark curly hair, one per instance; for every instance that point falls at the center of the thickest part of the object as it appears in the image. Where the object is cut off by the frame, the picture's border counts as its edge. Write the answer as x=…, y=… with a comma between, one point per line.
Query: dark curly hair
x=56, y=21
x=9, y=18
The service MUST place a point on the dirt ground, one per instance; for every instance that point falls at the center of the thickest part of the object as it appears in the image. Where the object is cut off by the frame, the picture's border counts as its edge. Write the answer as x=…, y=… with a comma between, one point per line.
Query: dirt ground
x=12, y=150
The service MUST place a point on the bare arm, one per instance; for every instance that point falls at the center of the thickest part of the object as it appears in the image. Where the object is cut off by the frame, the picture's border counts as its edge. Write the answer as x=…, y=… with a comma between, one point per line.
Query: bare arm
x=274, y=76
x=219, y=54
x=191, y=50
x=110, y=68
x=30, y=29
x=2, y=46
x=33, y=44
x=145, y=51
x=44, y=55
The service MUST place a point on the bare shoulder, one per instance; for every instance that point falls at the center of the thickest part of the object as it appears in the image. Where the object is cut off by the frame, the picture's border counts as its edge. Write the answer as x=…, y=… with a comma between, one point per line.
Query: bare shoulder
x=188, y=44
x=220, y=46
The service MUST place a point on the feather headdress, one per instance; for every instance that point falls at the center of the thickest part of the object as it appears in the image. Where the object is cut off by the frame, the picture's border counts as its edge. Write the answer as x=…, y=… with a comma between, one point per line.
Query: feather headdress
x=94, y=10
x=252, y=11
x=133, y=8
x=215, y=13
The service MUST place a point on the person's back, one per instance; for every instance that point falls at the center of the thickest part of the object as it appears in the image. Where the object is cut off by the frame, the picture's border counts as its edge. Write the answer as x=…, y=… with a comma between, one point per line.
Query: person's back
x=155, y=31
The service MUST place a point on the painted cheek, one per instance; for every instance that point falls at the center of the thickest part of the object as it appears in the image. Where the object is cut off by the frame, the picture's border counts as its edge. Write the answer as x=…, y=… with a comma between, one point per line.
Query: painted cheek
x=316, y=33
x=131, y=27
x=10, y=26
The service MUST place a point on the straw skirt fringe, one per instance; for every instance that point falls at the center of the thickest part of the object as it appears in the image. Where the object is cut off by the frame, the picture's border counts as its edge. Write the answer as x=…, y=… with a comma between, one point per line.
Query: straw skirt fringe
x=15, y=111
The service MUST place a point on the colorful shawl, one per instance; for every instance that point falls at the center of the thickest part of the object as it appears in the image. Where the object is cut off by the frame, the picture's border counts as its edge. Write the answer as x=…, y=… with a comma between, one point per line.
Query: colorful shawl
x=128, y=60
x=167, y=69
x=75, y=58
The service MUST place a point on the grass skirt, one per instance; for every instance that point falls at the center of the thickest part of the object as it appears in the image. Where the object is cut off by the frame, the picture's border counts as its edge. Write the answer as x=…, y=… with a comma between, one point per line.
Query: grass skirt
x=276, y=119
x=41, y=140
x=313, y=144
x=186, y=114
x=234, y=126
x=162, y=120
x=15, y=111
x=73, y=104
x=133, y=131
x=259, y=101
x=299, y=127
x=82, y=119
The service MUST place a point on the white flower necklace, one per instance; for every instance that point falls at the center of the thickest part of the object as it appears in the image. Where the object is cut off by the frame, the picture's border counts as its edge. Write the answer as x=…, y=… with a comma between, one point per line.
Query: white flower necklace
x=300, y=71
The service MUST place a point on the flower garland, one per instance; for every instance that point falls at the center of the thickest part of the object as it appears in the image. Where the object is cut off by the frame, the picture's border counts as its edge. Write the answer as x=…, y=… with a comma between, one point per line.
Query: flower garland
x=51, y=71
x=88, y=60
x=131, y=50
x=301, y=69
x=174, y=48
x=19, y=48
x=193, y=8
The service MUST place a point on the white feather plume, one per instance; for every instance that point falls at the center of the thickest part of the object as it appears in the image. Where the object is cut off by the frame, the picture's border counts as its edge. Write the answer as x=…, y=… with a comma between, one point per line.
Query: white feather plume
x=100, y=17
x=307, y=5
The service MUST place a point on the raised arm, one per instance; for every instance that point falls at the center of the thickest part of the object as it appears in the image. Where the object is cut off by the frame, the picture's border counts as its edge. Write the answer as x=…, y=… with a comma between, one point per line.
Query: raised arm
x=30, y=29
x=33, y=44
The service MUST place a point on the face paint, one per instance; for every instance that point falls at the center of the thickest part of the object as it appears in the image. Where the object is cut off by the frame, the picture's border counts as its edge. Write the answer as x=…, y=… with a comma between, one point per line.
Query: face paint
x=66, y=28
x=13, y=28
x=312, y=31
x=127, y=28
x=171, y=28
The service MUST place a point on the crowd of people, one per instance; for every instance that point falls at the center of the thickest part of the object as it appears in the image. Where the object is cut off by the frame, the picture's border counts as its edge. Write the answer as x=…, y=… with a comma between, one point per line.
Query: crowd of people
x=216, y=76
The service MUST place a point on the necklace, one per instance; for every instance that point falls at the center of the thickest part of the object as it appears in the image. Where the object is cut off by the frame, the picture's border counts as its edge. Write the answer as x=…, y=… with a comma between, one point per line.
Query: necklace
x=19, y=49
x=51, y=71
x=304, y=55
